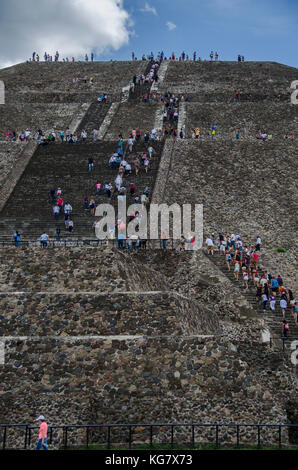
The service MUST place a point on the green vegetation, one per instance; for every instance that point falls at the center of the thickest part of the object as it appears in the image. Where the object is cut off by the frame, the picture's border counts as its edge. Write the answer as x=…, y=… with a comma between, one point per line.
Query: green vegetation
x=280, y=250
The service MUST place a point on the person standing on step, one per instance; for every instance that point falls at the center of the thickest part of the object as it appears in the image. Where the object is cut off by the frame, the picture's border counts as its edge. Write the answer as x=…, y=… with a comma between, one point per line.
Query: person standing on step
x=272, y=302
x=210, y=245
x=52, y=194
x=237, y=270
x=17, y=239
x=67, y=210
x=95, y=135
x=264, y=300
x=98, y=188
x=258, y=243
x=258, y=294
x=70, y=225
x=228, y=260
x=283, y=305
x=44, y=237
x=92, y=206
x=164, y=238
x=86, y=202
x=285, y=329
x=56, y=211
x=60, y=204
x=280, y=283
x=90, y=164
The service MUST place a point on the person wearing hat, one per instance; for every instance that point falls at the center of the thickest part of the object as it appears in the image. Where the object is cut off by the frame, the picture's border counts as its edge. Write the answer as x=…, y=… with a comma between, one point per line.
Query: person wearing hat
x=42, y=435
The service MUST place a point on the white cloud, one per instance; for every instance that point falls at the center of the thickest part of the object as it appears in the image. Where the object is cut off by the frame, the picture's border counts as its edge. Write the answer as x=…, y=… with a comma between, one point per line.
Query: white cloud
x=73, y=27
x=149, y=9
x=170, y=25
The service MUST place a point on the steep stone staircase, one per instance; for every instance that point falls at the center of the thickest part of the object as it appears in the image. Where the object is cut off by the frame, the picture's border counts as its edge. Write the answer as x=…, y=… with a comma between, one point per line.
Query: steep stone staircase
x=93, y=118
x=29, y=208
x=139, y=90
x=273, y=320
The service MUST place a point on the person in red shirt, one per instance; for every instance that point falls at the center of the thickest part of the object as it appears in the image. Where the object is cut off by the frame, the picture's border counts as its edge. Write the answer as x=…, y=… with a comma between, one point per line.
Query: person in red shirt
x=43, y=434
x=60, y=204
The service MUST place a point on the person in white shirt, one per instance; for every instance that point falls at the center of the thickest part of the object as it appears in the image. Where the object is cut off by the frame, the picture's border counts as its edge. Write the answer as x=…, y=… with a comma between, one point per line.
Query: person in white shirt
x=56, y=211
x=130, y=144
x=258, y=243
x=44, y=239
x=118, y=182
x=210, y=245
x=112, y=161
x=283, y=306
x=67, y=209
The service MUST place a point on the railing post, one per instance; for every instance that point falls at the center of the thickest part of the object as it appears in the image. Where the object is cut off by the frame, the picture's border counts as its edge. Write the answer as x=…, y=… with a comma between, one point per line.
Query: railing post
x=237, y=445
x=259, y=437
x=172, y=436
x=65, y=437
x=4, y=438
x=87, y=437
x=51, y=435
x=29, y=438
x=130, y=438
x=279, y=437
x=193, y=437
x=109, y=437
x=217, y=443
x=26, y=434
x=151, y=437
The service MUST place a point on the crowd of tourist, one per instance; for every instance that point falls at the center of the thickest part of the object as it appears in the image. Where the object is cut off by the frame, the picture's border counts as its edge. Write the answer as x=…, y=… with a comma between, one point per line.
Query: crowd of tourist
x=125, y=162
x=55, y=58
x=243, y=260
x=143, y=79
x=213, y=56
x=160, y=56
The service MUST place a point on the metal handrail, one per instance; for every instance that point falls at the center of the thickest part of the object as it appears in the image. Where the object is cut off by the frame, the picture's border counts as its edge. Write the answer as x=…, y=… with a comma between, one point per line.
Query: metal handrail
x=66, y=428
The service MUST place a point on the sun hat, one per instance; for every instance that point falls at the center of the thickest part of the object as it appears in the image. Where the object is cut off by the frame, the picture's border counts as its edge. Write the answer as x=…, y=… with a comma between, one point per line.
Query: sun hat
x=40, y=418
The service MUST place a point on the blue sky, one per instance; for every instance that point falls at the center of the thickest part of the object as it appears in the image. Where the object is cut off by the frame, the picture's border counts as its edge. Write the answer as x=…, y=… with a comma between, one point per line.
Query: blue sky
x=257, y=29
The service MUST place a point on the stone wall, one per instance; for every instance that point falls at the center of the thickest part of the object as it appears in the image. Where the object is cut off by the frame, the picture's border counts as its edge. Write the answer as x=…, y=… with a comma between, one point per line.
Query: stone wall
x=74, y=270
x=137, y=380
x=46, y=117
x=83, y=314
x=218, y=82
x=245, y=188
x=9, y=155
x=39, y=78
x=250, y=118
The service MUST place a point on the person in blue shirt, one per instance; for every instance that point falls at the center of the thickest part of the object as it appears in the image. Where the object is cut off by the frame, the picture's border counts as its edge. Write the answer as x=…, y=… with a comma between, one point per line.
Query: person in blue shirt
x=17, y=239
